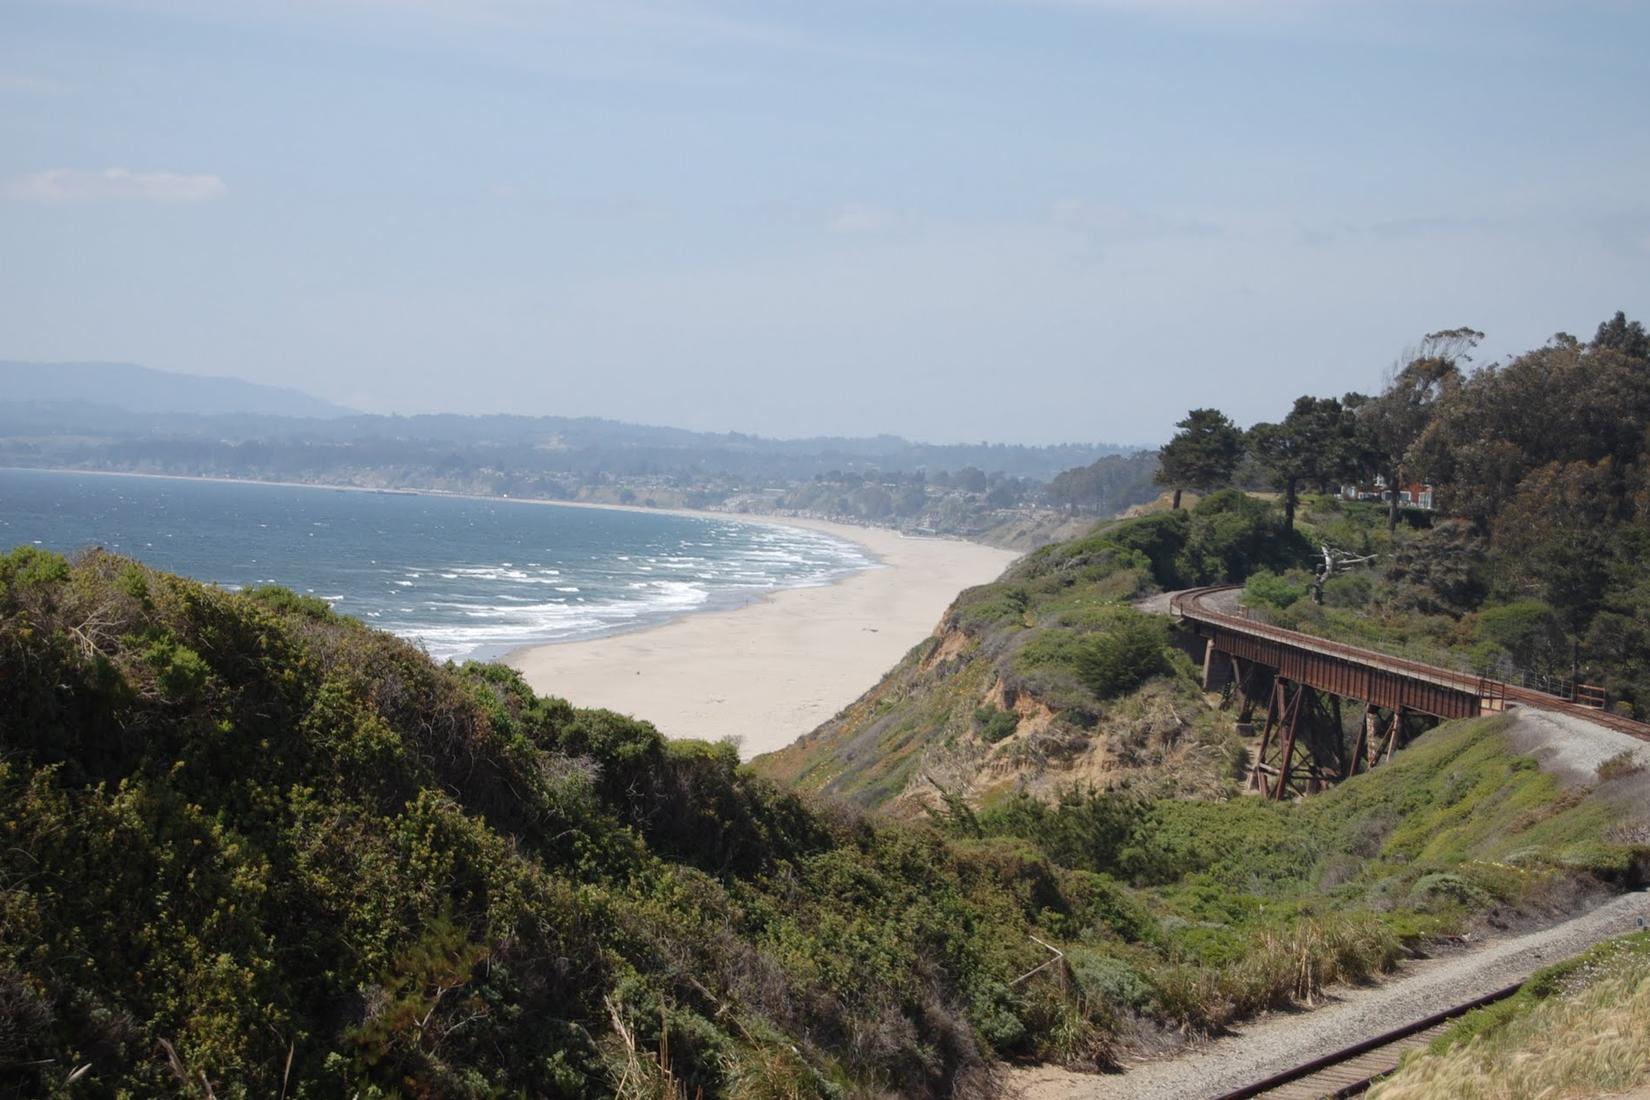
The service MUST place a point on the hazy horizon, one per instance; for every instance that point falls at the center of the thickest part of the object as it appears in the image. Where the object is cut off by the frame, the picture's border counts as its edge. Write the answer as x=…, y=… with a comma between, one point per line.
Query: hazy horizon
x=1000, y=220
x=152, y=402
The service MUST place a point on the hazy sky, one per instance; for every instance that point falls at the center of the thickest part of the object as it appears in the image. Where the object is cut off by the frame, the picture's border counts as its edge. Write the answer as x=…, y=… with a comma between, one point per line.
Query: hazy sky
x=1021, y=220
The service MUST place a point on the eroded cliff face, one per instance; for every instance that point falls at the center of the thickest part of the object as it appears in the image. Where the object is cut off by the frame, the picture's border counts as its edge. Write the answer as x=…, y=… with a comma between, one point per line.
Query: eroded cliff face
x=1051, y=678
x=958, y=717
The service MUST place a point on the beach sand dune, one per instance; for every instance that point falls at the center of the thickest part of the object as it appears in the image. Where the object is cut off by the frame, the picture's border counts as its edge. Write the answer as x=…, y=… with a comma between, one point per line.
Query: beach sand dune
x=771, y=671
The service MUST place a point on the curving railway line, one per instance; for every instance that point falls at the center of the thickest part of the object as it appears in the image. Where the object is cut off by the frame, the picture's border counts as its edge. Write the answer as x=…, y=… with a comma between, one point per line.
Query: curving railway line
x=1273, y=667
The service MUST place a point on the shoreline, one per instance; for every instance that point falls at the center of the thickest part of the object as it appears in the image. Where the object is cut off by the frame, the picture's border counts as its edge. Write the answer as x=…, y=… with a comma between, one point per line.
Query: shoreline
x=827, y=526
x=841, y=532
x=764, y=671
x=773, y=669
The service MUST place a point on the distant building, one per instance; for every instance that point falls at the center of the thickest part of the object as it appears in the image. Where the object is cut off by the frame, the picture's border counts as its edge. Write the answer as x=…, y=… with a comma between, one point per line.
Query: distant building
x=1415, y=494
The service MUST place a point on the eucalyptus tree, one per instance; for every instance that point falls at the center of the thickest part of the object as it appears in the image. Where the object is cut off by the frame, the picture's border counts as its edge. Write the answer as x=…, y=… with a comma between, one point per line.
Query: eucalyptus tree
x=1390, y=423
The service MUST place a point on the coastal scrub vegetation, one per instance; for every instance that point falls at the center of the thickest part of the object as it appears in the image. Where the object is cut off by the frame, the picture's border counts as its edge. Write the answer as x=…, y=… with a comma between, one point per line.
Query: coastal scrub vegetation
x=254, y=849
x=251, y=848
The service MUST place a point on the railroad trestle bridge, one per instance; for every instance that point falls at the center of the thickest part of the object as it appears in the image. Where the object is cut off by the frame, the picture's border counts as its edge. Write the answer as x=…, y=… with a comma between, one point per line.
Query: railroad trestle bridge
x=1303, y=682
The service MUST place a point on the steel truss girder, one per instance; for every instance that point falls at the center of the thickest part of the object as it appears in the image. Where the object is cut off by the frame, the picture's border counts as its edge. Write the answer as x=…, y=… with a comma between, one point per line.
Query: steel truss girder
x=1302, y=747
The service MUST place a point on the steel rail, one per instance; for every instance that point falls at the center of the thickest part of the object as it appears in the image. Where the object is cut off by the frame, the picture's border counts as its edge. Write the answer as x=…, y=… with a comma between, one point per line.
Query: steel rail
x=1188, y=604
x=1367, y=1046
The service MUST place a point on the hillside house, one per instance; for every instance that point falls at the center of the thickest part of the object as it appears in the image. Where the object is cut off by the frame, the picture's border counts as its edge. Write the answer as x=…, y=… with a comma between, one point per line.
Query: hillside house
x=1414, y=494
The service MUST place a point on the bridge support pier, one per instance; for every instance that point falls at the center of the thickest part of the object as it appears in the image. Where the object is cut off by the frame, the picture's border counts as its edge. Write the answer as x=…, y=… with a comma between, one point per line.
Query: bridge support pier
x=1247, y=681
x=1301, y=681
x=1302, y=749
x=1375, y=745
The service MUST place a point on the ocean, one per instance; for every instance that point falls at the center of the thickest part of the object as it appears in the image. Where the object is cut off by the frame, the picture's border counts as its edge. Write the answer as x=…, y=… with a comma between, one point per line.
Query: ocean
x=464, y=577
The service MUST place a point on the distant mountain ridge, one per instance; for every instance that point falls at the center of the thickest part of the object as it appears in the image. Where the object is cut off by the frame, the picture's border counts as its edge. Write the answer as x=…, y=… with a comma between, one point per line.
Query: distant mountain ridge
x=140, y=389
x=123, y=416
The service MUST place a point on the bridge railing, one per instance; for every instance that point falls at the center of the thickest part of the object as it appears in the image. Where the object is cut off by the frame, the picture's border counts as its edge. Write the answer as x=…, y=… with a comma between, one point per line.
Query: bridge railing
x=1493, y=692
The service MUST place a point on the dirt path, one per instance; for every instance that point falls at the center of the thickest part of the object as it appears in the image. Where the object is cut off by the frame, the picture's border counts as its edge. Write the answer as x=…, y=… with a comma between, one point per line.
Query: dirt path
x=1279, y=1041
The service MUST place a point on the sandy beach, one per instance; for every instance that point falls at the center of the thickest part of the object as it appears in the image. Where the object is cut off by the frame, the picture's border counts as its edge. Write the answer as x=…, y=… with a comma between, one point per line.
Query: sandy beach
x=770, y=671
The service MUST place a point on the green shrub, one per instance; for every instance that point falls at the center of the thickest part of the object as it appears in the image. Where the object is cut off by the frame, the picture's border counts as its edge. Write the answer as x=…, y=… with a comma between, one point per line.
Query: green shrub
x=1231, y=535
x=286, y=601
x=1443, y=890
x=1158, y=538
x=993, y=724
x=1349, y=590
x=31, y=567
x=1272, y=590
x=1126, y=655
x=1105, y=979
x=179, y=669
x=989, y=605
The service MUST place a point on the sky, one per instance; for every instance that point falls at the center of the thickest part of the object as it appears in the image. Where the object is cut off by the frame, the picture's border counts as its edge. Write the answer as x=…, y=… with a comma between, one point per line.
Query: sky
x=955, y=220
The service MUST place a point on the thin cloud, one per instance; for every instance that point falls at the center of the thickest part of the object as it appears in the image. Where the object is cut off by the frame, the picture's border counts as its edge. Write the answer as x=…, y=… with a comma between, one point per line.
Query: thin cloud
x=1228, y=12
x=1107, y=224
x=858, y=218
x=613, y=38
x=67, y=185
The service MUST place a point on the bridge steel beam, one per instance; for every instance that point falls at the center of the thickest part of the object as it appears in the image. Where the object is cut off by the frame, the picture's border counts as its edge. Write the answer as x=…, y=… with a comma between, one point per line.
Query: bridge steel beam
x=1350, y=679
x=1300, y=749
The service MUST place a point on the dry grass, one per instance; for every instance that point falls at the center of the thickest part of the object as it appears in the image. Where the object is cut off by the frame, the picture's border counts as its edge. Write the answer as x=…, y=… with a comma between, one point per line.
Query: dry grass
x=1282, y=967
x=1588, y=1043
x=643, y=1075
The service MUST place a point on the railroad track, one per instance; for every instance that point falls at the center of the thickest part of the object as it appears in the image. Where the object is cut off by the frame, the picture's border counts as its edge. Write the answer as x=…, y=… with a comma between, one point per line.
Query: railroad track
x=1189, y=604
x=1352, y=1070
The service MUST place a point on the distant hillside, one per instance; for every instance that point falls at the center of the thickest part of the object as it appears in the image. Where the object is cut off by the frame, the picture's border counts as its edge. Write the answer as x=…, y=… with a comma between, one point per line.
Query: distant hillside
x=53, y=399
x=146, y=390
x=132, y=420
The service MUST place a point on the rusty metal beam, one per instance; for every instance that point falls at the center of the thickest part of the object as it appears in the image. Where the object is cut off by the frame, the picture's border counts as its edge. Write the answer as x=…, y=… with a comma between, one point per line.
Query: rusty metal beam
x=1352, y=679
x=1290, y=724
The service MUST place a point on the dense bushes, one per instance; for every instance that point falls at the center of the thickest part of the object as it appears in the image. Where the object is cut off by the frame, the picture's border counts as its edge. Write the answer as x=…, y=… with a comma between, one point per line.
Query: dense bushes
x=1526, y=631
x=270, y=838
x=1227, y=536
x=1124, y=651
x=1231, y=535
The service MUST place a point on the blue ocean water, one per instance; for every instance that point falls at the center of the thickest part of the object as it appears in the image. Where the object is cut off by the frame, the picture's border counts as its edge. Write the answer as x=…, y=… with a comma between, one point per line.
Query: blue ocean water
x=464, y=577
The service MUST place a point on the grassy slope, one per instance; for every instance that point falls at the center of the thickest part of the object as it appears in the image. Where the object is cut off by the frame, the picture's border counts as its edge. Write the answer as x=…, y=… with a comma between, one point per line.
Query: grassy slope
x=242, y=826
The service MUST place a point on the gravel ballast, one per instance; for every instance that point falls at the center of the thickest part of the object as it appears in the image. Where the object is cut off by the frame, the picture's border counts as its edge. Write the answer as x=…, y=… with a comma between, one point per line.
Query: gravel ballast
x=1346, y=1016
x=1568, y=747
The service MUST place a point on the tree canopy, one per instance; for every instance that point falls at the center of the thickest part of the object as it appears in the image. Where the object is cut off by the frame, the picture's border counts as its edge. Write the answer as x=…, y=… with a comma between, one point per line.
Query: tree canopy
x=1313, y=445
x=1390, y=423
x=1202, y=455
